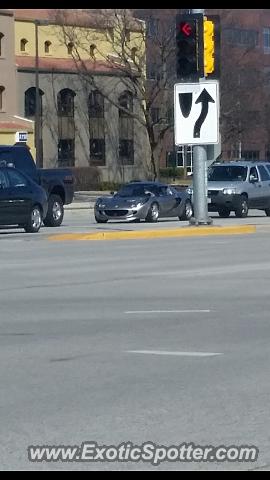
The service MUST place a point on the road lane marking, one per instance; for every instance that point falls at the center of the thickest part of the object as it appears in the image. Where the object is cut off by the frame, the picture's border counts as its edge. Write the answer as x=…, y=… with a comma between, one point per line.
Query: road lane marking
x=177, y=354
x=135, y=312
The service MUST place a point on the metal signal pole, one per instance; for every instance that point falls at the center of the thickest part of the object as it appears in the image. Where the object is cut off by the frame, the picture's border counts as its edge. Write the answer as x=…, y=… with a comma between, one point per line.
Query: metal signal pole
x=200, y=205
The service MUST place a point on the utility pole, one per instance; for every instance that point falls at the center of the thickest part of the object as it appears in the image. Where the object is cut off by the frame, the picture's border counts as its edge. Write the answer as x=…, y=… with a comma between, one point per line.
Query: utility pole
x=37, y=101
x=200, y=205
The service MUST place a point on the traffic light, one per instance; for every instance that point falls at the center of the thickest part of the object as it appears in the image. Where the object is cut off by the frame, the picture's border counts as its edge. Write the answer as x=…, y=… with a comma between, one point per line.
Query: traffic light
x=211, y=40
x=209, y=46
x=189, y=42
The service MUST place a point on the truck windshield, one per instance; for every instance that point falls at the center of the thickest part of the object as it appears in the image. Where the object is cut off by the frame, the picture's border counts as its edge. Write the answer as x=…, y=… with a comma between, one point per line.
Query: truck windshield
x=233, y=173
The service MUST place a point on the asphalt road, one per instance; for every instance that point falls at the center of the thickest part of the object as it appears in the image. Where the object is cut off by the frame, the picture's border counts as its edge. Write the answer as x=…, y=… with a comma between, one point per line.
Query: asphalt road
x=143, y=340
x=81, y=220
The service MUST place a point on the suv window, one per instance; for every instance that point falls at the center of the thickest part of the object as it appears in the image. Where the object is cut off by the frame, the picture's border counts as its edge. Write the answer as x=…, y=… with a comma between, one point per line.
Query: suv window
x=3, y=181
x=227, y=173
x=253, y=173
x=16, y=179
x=268, y=167
x=263, y=172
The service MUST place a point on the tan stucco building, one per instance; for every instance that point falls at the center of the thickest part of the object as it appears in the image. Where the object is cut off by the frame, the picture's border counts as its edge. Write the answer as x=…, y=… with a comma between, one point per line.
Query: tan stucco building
x=10, y=121
x=78, y=126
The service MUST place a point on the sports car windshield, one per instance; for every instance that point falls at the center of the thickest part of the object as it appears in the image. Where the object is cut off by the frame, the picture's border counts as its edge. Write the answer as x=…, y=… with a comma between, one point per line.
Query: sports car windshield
x=134, y=190
x=227, y=173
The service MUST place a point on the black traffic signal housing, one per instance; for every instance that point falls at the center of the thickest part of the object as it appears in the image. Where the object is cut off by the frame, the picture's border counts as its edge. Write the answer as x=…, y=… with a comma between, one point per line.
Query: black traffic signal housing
x=212, y=46
x=189, y=47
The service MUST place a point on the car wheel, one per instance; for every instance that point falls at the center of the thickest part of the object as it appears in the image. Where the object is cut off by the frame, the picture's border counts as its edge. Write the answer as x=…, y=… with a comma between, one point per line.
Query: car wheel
x=224, y=212
x=153, y=213
x=188, y=211
x=35, y=220
x=267, y=212
x=242, y=209
x=55, y=215
x=100, y=220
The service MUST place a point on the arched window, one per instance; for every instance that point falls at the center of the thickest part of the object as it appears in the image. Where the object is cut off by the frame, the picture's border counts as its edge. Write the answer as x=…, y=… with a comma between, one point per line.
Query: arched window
x=125, y=101
x=23, y=44
x=92, y=50
x=1, y=44
x=65, y=102
x=96, y=104
x=70, y=47
x=126, y=129
x=30, y=102
x=2, y=89
x=134, y=51
x=66, y=128
x=47, y=47
x=96, y=128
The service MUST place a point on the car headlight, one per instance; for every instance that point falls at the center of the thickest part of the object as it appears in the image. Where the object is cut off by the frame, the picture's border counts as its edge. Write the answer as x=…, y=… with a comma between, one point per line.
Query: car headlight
x=190, y=190
x=229, y=191
x=139, y=204
x=100, y=205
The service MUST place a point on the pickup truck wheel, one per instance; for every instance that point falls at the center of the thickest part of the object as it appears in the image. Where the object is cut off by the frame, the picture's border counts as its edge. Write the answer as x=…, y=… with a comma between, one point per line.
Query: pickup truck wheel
x=242, y=210
x=35, y=220
x=55, y=213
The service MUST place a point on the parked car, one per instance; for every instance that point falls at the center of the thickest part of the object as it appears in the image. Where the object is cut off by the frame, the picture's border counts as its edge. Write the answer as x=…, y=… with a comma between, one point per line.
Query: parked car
x=144, y=201
x=23, y=203
x=58, y=183
x=238, y=186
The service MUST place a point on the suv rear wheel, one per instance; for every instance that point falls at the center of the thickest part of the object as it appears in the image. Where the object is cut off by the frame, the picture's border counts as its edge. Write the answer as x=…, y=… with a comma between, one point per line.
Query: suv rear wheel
x=242, y=209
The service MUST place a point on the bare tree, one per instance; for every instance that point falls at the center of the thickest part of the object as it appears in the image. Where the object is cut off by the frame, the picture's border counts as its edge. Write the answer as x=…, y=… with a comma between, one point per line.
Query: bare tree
x=126, y=59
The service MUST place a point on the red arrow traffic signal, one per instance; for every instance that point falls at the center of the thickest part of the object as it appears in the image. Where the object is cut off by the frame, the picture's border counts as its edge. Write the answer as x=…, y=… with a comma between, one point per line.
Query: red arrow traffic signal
x=186, y=29
x=189, y=46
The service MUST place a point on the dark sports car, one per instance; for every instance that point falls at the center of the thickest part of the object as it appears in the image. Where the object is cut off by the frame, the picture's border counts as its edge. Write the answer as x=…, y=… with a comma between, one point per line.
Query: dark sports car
x=144, y=201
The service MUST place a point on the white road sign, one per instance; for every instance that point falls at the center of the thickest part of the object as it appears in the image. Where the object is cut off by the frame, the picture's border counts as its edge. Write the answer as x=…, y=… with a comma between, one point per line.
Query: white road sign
x=196, y=113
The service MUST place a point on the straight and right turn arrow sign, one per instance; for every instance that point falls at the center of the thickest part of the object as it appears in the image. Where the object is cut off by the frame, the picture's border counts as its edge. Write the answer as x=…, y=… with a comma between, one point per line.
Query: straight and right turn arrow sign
x=196, y=113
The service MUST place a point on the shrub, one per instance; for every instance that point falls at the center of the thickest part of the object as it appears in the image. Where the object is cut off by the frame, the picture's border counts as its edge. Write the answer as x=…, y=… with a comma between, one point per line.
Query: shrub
x=171, y=172
x=110, y=186
x=86, y=178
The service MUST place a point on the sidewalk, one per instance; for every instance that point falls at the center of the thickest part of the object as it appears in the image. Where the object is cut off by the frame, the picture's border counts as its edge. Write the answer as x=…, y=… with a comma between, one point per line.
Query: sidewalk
x=85, y=200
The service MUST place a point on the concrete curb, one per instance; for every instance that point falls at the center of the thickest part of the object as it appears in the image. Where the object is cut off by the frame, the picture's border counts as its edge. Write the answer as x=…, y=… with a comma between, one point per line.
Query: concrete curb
x=79, y=206
x=162, y=233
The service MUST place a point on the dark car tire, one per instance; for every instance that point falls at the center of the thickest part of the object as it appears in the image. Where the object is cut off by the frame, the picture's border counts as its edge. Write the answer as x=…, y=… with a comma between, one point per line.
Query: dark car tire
x=55, y=215
x=153, y=213
x=100, y=220
x=224, y=212
x=35, y=220
x=242, y=209
x=267, y=212
x=188, y=211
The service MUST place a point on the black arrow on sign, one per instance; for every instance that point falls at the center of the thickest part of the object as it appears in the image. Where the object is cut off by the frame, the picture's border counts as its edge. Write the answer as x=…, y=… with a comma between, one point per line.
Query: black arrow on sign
x=185, y=101
x=204, y=98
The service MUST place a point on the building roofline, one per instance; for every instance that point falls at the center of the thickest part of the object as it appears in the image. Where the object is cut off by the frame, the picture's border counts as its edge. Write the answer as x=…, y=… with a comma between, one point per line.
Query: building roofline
x=7, y=13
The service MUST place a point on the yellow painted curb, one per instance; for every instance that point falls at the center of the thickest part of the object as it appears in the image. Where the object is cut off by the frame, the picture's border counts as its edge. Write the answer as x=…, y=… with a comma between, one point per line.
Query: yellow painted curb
x=159, y=233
